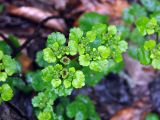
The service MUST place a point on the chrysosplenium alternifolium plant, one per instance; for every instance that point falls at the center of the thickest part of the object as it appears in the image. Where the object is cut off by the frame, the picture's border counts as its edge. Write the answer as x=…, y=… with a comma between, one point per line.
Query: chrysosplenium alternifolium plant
x=8, y=67
x=149, y=53
x=94, y=49
x=64, y=61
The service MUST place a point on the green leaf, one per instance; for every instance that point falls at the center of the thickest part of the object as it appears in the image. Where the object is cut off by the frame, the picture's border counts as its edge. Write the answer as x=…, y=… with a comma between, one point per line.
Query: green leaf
x=150, y=5
x=76, y=34
x=104, y=51
x=146, y=25
x=155, y=55
x=81, y=49
x=94, y=66
x=79, y=116
x=73, y=45
x=149, y=45
x=156, y=15
x=35, y=78
x=84, y=60
x=1, y=55
x=1, y=7
x=116, y=67
x=156, y=63
x=11, y=66
x=55, y=46
x=71, y=110
x=82, y=108
x=151, y=26
x=99, y=66
x=92, y=77
x=152, y=116
x=57, y=117
x=74, y=108
x=79, y=80
x=5, y=48
x=123, y=45
x=67, y=83
x=132, y=51
x=44, y=116
x=6, y=92
x=124, y=31
x=56, y=37
x=44, y=99
x=92, y=115
x=112, y=29
x=16, y=82
x=39, y=59
x=48, y=55
x=72, y=70
x=118, y=57
x=3, y=76
x=62, y=91
x=56, y=82
x=133, y=12
x=96, y=43
x=143, y=56
x=91, y=36
x=136, y=37
x=14, y=40
x=47, y=73
x=128, y=15
x=87, y=20
x=141, y=25
x=100, y=28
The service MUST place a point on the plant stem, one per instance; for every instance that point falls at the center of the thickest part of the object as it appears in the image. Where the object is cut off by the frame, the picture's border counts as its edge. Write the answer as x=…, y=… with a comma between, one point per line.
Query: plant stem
x=17, y=110
x=35, y=34
x=8, y=41
x=157, y=38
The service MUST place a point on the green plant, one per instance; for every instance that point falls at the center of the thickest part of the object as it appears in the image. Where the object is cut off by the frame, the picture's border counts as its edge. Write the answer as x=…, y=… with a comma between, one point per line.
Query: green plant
x=92, y=50
x=1, y=7
x=129, y=31
x=149, y=51
x=87, y=20
x=8, y=67
x=68, y=65
x=95, y=51
x=152, y=116
x=82, y=108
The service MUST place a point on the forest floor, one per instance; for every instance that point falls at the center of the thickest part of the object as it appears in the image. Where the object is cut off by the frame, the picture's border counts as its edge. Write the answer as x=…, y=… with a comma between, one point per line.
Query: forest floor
x=129, y=100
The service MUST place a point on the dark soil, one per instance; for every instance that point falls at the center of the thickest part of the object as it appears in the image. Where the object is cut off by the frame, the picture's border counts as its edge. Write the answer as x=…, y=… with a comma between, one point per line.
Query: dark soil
x=110, y=95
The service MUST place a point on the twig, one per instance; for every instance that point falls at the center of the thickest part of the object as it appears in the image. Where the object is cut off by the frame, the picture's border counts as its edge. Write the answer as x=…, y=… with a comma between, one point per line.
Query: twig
x=8, y=41
x=157, y=38
x=45, y=20
x=36, y=32
x=127, y=78
x=17, y=110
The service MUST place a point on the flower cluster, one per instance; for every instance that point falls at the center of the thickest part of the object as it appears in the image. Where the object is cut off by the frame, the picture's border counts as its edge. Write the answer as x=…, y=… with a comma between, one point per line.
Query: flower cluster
x=62, y=77
x=94, y=49
x=97, y=47
x=64, y=62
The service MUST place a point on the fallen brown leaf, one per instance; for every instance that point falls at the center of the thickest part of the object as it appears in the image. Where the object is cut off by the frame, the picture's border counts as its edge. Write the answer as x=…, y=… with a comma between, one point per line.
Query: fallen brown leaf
x=140, y=74
x=113, y=9
x=136, y=112
x=25, y=62
x=37, y=15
